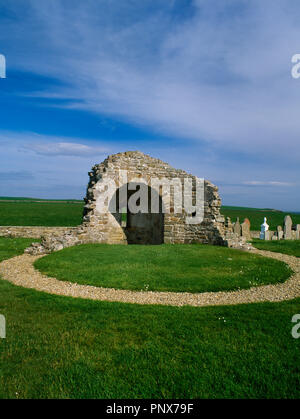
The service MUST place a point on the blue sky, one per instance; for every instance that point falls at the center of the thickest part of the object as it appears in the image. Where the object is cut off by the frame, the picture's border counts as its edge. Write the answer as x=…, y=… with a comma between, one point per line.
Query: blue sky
x=205, y=86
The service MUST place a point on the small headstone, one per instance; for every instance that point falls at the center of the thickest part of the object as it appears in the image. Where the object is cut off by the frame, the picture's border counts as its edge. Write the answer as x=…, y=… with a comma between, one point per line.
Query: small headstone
x=267, y=235
x=245, y=227
x=263, y=229
x=297, y=231
x=288, y=227
x=237, y=227
x=275, y=237
x=279, y=232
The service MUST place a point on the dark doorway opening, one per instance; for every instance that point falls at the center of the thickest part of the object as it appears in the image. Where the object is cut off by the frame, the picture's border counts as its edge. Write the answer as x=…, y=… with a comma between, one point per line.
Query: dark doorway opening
x=139, y=227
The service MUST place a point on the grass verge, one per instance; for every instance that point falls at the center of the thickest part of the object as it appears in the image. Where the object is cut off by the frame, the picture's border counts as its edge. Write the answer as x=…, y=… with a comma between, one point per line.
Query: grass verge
x=289, y=247
x=190, y=268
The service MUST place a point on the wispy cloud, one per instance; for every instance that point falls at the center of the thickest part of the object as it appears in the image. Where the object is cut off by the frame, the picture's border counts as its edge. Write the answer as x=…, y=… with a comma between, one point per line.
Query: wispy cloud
x=217, y=75
x=266, y=183
x=221, y=74
x=49, y=145
x=65, y=149
x=16, y=176
x=58, y=165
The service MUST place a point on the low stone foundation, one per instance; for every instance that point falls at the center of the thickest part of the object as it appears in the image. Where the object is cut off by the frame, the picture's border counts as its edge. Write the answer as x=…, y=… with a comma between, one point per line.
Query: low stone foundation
x=255, y=234
x=32, y=232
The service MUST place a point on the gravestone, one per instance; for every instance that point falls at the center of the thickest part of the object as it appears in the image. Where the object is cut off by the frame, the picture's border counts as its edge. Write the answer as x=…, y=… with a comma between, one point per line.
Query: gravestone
x=237, y=227
x=279, y=232
x=246, y=229
x=267, y=235
x=297, y=231
x=263, y=229
x=288, y=227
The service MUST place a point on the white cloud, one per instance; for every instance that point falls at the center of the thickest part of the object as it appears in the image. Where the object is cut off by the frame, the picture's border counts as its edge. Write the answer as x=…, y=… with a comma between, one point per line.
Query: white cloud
x=13, y=176
x=267, y=183
x=220, y=76
x=65, y=149
x=49, y=145
x=58, y=166
x=223, y=75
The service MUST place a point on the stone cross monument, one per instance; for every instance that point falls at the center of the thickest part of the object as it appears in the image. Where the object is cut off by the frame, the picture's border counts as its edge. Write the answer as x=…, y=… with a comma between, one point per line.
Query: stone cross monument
x=263, y=229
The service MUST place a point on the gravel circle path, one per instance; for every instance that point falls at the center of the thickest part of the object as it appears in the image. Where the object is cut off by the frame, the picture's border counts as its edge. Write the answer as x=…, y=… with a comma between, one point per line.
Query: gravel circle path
x=20, y=271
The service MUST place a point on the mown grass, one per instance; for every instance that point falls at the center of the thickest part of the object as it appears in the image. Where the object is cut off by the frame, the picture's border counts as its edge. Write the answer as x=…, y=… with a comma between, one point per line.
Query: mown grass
x=10, y=247
x=48, y=214
x=191, y=268
x=59, y=347
x=256, y=216
x=289, y=247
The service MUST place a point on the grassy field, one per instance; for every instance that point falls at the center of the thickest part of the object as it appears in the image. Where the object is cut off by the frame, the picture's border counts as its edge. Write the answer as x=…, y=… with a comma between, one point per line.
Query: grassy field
x=40, y=213
x=289, y=247
x=20, y=199
x=59, y=347
x=191, y=268
x=256, y=216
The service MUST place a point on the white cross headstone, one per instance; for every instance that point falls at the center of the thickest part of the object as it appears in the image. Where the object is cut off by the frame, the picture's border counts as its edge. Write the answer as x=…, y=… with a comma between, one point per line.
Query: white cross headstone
x=263, y=228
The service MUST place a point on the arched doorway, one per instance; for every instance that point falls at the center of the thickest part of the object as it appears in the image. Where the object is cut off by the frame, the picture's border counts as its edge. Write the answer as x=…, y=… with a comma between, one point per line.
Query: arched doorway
x=143, y=226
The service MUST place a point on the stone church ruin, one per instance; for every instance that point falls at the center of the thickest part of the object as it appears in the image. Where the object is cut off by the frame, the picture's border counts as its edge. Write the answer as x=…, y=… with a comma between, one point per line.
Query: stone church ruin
x=116, y=223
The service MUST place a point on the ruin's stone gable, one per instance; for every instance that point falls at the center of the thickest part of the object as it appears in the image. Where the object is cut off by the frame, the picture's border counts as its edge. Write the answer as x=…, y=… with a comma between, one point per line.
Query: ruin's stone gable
x=139, y=165
x=106, y=227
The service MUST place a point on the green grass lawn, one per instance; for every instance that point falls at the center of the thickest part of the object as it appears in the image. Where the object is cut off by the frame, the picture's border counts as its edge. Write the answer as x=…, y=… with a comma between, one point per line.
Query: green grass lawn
x=59, y=347
x=289, y=247
x=256, y=216
x=47, y=214
x=192, y=268
x=10, y=247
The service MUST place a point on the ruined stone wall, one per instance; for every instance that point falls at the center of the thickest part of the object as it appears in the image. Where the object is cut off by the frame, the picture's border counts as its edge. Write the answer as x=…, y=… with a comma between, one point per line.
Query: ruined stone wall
x=140, y=166
x=107, y=227
x=255, y=234
x=32, y=232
